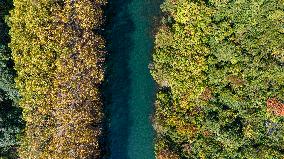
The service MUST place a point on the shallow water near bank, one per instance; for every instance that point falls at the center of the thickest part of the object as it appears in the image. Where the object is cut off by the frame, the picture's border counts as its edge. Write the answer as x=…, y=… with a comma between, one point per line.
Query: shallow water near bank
x=129, y=87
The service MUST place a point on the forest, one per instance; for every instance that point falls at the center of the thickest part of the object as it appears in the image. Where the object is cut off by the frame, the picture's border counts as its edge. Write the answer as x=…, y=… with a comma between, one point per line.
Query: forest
x=218, y=66
x=58, y=57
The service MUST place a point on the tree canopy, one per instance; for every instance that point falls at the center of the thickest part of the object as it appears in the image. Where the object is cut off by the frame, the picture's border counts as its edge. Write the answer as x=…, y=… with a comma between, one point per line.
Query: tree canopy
x=220, y=68
x=58, y=58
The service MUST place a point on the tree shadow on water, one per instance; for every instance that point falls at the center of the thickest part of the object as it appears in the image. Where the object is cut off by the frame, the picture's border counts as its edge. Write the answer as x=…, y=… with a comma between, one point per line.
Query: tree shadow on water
x=119, y=28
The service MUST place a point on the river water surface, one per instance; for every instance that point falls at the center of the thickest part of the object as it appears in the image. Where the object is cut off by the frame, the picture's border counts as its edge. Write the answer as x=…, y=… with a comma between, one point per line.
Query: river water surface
x=129, y=87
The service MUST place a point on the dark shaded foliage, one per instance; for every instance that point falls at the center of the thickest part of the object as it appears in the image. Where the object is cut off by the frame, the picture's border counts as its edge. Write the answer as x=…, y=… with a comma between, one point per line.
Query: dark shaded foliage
x=10, y=115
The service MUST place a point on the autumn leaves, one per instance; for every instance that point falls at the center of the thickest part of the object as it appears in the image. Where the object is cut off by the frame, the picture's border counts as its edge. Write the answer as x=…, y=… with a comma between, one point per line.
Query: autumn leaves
x=58, y=59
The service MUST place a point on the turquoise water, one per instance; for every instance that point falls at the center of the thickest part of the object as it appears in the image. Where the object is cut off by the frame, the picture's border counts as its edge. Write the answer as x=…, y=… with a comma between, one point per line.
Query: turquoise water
x=130, y=89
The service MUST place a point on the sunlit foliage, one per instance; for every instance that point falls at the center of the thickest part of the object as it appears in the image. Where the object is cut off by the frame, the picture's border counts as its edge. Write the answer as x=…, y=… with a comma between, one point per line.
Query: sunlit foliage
x=58, y=59
x=220, y=68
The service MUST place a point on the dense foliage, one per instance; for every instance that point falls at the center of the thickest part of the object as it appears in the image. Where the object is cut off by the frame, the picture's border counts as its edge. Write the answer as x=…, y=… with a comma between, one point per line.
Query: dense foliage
x=10, y=127
x=10, y=121
x=220, y=68
x=6, y=65
x=58, y=59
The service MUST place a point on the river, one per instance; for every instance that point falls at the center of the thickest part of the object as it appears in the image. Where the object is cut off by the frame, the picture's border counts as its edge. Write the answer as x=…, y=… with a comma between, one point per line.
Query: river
x=129, y=87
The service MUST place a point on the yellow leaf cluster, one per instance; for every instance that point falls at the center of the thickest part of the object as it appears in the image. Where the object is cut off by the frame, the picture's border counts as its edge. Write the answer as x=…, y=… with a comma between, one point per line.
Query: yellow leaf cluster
x=58, y=59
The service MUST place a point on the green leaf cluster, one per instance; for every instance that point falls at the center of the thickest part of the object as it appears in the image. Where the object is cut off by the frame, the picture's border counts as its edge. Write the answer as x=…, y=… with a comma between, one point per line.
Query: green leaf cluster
x=218, y=63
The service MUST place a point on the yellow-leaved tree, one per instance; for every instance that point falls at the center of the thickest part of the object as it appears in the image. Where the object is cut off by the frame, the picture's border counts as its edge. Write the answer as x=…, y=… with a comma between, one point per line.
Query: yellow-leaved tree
x=58, y=59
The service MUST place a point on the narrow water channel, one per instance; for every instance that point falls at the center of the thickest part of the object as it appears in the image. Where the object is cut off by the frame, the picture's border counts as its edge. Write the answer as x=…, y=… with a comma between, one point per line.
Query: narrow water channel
x=130, y=89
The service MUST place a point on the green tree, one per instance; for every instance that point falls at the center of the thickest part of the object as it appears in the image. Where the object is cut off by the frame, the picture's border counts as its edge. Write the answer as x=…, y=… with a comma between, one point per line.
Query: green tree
x=245, y=71
x=220, y=68
x=179, y=68
x=10, y=127
x=6, y=64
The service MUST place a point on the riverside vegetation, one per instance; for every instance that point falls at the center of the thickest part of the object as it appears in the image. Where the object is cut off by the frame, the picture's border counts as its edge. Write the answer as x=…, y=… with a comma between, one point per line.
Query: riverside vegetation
x=219, y=65
x=58, y=57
